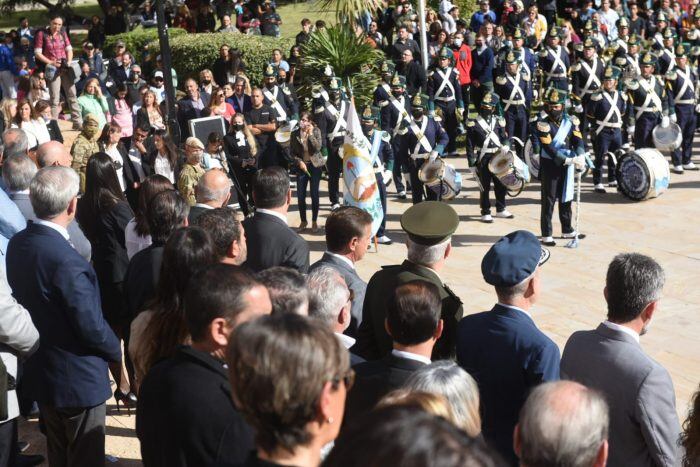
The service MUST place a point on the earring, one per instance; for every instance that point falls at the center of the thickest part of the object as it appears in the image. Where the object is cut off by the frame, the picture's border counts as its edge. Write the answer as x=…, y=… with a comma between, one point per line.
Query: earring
x=329, y=420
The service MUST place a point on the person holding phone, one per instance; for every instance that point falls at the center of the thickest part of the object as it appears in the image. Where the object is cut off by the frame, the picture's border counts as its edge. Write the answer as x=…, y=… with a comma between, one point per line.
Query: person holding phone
x=305, y=148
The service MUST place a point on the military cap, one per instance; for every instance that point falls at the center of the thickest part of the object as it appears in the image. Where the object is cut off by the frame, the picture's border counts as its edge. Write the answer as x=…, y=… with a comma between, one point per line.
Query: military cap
x=398, y=81
x=634, y=40
x=554, y=96
x=335, y=84
x=555, y=31
x=668, y=34
x=430, y=222
x=490, y=100
x=328, y=71
x=512, y=259
x=611, y=73
x=682, y=50
x=622, y=23
x=512, y=57
x=445, y=52
x=661, y=17
x=370, y=112
x=420, y=100
x=90, y=118
x=589, y=26
x=269, y=71
x=647, y=59
x=387, y=68
x=696, y=13
x=519, y=34
x=589, y=43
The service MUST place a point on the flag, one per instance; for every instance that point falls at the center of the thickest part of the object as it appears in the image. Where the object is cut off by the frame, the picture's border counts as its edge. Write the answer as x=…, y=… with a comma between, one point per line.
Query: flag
x=361, y=188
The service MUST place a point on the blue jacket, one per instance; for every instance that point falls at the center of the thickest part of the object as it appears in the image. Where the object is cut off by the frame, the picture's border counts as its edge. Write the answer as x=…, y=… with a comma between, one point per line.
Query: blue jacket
x=7, y=60
x=507, y=356
x=11, y=222
x=59, y=289
x=482, y=65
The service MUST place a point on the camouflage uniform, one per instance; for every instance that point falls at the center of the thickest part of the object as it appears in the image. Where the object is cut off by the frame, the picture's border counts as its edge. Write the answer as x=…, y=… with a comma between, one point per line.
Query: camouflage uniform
x=189, y=177
x=83, y=147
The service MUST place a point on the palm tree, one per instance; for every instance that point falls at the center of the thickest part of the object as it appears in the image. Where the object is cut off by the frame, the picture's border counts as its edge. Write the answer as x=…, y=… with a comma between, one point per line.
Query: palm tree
x=349, y=11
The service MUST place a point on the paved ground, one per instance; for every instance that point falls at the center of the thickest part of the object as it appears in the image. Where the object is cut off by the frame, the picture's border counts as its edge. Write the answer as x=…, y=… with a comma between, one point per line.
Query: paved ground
x=665, y=228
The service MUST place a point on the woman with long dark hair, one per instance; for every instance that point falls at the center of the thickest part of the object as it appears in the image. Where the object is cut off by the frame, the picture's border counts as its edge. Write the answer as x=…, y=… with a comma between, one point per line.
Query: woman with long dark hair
x=137, y=234
x=164, y=159
x=158, y=331
x=103, y=213
x=242, y=153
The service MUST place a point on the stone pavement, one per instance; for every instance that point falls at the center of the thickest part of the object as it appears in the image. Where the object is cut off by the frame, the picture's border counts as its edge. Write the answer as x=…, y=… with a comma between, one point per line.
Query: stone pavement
x=665, y=228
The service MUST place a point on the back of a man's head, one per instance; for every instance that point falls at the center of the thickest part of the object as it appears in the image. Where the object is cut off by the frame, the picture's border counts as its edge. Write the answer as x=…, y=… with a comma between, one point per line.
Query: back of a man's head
x=166, y=211
x=16, y=142
x=343, y=225
x=17, y=172
x=633, y=281
x=52, y=153
x=223, y=291
x=287, y=288
x=51, y=191
x=214, y=187
x=563, y=423
x=413, y=312
x=222, y=226
x=271, y=187
x=328, y=294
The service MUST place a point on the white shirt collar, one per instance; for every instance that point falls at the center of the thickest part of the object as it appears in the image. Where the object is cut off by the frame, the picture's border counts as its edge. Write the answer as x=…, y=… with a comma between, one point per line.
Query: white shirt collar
x=515, y=308
x=58, y=228
x=624, y=329
x=410, y=356
x=342, y=258
x=273, y=213
x=347, y=341
x=21, y=192
x=202, y=205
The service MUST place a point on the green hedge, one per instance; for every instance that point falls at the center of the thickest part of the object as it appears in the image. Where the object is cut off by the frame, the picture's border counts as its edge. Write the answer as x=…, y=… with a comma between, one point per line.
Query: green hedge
x=191, y=53
x=137, y=40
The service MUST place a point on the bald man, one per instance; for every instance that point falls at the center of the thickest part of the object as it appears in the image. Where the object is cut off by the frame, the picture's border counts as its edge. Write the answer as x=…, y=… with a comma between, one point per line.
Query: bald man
x=563, y=423
x=53, y=153
x=212, y=191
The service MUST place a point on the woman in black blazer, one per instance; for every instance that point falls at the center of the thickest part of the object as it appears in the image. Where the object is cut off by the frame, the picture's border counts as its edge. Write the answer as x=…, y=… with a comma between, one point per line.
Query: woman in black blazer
x=164, y=159
x=43, y=108
x=242, y=154
x=103, y=214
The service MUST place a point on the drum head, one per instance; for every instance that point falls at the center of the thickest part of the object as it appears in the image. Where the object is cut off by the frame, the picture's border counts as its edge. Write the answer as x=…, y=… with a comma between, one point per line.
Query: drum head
x=532, y=159
x=431, y=171
x=667, y=139
x=633, y=177
x=501, y=163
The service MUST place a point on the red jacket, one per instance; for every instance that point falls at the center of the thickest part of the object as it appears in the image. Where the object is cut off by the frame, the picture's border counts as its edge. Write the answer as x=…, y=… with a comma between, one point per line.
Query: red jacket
x=463, y=63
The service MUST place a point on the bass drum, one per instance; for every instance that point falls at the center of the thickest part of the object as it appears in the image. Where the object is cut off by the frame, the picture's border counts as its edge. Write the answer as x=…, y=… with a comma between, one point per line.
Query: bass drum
x=532, y=159
x=511, y=171
x=643, y=174
x=441, y=178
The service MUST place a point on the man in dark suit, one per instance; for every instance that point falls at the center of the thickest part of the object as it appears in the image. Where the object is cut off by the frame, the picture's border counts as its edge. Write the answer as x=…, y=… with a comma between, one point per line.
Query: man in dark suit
x=241, y=101
x=186, y=416
x=414, y=323
x=67, y=376
x=348, y=232
x=17, y=172
x=416, y=78
x=269, y=239
x=644, y=426
x=429, y=226
x=191, y=106
x=212, y=191
x=503, y=349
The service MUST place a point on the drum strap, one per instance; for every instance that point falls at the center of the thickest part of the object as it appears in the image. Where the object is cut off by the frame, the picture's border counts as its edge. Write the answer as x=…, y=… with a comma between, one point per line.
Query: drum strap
x=651, y=97
x=422, y=139
x=632, y=61
x=403, y=114
x=687, y=83
x=671, y=59
x=614, y=110
x=556, y=63
x=281, y=114
x=592, y=76
x=340, y=123
x=491, y=137
x=445, y=84
x=516, y=94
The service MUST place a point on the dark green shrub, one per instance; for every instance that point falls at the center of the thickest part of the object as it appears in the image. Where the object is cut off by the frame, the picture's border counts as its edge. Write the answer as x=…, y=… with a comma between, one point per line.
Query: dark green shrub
x=137, y=40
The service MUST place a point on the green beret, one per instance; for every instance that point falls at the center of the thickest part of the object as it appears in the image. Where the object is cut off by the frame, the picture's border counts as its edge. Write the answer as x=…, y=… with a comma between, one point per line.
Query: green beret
x=430, y=222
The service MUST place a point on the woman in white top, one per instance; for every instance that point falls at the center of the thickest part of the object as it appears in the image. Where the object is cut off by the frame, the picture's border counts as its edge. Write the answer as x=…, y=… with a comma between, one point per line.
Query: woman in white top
x=32, y=124
x=137, y=234
x=110, y=144
x=164, y=159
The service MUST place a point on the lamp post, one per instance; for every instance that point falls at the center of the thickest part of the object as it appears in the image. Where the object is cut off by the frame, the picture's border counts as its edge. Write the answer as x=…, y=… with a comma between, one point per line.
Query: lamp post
x=166, y=59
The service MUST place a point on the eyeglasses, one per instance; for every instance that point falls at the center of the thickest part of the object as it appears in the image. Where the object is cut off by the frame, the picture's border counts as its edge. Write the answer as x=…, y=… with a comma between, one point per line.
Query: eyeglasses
x=348, y=378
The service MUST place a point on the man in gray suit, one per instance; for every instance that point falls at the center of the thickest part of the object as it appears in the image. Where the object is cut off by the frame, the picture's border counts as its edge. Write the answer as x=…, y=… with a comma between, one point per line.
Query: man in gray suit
x=348, y=232
x=644, y=427
x=17, y=173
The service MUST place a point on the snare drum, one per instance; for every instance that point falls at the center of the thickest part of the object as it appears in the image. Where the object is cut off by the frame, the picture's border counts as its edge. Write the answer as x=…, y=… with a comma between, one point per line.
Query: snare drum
x=532, y=159
x=643, y=174
x=667, y=139
x=441, y=178
x=511, y=171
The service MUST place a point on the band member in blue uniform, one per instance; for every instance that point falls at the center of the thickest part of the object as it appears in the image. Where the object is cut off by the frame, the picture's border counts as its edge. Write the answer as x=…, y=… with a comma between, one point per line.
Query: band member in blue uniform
x=606, y=110
x=648, y=103
x=380, y=97
x=425, y=140
x=395, y=118
x=486, y=137
x=667, y=56
x=586, y=74
x=380, y=142
x=513, y=89
x=682, y=84
x=559, y=142
x=445, y=92
x=332, y=123
x=554, y=60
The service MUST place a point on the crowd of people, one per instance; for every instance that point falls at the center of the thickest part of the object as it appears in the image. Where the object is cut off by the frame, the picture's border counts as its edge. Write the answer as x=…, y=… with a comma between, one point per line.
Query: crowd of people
x=152, y=266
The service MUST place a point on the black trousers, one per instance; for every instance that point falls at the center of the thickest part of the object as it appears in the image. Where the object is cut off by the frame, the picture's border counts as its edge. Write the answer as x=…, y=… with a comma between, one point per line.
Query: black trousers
x=335, y=167
x=399, y=163
x=486, y=178
x=449, y=123
x=553, y=178
x=418, y=191
x=75, y=437
x=382, y=198
x=8, y=443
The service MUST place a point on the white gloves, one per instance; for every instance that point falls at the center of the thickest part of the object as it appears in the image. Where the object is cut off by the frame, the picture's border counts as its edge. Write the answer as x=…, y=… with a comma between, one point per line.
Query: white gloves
x=460, y=113
x=386, y=177
x=665, y=121
x=697, y=108
x=503, y=150
x=630, y=130
x=578, y=109
x=673, y=118
x=433, y=155
x=579, y=162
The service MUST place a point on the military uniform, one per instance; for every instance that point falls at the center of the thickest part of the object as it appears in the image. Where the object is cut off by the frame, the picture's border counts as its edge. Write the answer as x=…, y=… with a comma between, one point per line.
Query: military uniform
x=189, y=177
x=395, y=116
x=425, y=139
x=427, y=223
x=514, y=92
x=606, y=111
x=587, y=78
x=666, y=55
x=554, y=62
x=380, y=142
x=282, y=103
x=648, y=102
x=84, y=146
x=682, y=84
x=332, y=123
x=485, y=138
x=445, y=92
x=558, y=151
